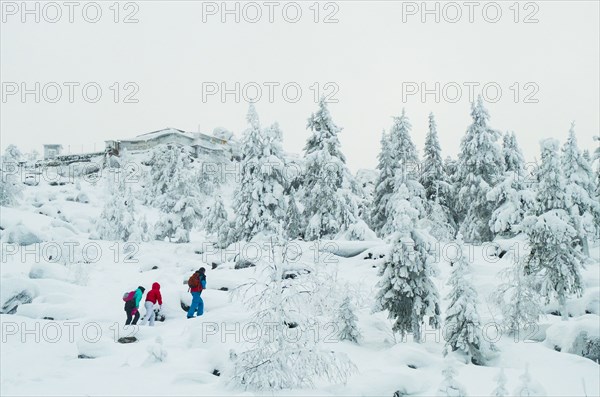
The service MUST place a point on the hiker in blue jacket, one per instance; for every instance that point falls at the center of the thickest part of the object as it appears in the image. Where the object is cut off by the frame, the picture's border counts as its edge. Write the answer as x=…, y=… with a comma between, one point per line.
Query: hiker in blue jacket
x=132, y=306
x=197, y=283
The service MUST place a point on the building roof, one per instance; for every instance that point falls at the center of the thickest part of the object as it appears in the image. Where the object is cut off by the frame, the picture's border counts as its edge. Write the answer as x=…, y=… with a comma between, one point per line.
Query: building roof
x=156, y=134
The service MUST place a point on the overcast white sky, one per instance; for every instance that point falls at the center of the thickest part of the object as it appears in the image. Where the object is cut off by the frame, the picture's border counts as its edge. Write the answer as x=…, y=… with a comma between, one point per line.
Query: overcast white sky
x=370, y=54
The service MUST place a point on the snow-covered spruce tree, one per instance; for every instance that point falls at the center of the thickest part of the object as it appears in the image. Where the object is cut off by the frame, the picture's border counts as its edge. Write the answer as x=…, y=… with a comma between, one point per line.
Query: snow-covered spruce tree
x=293, y=221
x=462, y=319
x=451, y=169
x=518, y=298
x=528, y=387
x=433, y=175
x=596, y=159
x=384, y=186
x=406, y=290
x=259, y=202
x=280, y=357
x=554, y=255
x=330, y=204
x=510, y=197
x=479, y=169
x=347, y=321
x=11, y=188
x=215, y=217
x=406, y=174
x=179, y=203
x=500, y=390
x=450, y=387
x=164, y=160
x=119, y=220
x=580, y=186
x=436, y=186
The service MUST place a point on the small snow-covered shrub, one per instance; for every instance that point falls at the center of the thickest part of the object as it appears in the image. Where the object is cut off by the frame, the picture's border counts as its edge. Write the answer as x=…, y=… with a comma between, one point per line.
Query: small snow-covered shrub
x=156, y=352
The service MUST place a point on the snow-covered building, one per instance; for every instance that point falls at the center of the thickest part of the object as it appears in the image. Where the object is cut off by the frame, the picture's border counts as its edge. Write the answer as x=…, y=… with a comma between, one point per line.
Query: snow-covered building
x=201, y=143
x=51, y=151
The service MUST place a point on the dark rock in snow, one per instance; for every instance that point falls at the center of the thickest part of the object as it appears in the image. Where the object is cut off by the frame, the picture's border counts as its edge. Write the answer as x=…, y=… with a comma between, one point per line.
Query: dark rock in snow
x=84, y=356
x=401, y=393
x=291, y=324
x=243, y=264
x=216, y=372
x=412, y=366
x=223, y=289
x=48, y=318
x=154, y=267
x=185, y=306
x=127, y=339
x=10, y=306
x=214, y=265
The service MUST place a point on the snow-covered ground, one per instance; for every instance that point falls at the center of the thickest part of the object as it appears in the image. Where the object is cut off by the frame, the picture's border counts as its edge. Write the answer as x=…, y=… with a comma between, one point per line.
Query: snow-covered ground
x=60, y=338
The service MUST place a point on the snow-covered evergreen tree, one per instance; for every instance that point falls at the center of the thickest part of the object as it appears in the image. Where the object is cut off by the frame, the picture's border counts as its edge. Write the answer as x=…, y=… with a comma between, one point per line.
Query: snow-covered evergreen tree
x=281, y=357
x=293, y=222
x=433, y=174
x=119, y=220
x=405, y=151
x=384, y=187
x=596, y=159
x=406, y=174
x=580, y=186
x=451, y=170
x=330, y=204
x=406, y=290
x=436, y=185
x=259, y=201
x=215, y=217
x=500, y=390
x=450, y=387
x=510, y=197
x=527, y=387
x=480, y=167
x=178, y=199
x=11, y=188
x=518, y=298
x=226, y=235
x=513, y=156
x=347, y=321
x=462, y=319
x=164, y=160
x=552, y=235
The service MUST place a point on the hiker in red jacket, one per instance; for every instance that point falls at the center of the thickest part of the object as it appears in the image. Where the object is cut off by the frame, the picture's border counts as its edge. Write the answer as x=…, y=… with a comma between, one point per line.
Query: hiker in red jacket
x=152, y=297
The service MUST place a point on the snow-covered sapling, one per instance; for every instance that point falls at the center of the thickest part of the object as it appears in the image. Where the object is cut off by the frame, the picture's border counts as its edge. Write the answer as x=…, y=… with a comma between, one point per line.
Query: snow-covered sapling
x=462, y=319
x=450, y=387
x=347, y=321
x=500, y=390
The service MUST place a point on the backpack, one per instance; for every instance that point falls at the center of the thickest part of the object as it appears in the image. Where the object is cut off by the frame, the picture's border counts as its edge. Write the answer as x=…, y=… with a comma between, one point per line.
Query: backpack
x=194, y=281
x=127, y=296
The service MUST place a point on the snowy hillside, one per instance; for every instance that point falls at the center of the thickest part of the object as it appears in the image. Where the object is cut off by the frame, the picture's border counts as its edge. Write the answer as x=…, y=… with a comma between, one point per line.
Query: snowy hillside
x=302, y=297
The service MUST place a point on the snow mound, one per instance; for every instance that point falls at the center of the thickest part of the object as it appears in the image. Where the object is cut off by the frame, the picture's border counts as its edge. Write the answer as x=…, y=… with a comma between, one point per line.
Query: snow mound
x=579, y=336
x=49, y=270
x=21, y=235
